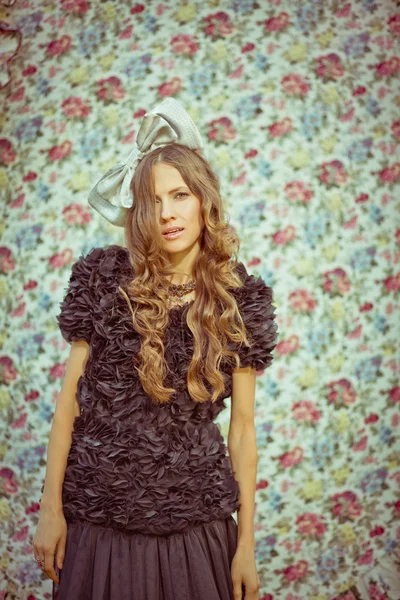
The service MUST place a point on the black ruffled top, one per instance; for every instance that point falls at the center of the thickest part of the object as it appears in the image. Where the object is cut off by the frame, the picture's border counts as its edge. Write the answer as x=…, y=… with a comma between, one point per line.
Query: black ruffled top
x=134, y=465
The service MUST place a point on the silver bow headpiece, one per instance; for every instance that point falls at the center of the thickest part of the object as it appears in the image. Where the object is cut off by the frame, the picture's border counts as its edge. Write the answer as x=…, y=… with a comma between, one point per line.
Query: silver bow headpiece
x=167, y=122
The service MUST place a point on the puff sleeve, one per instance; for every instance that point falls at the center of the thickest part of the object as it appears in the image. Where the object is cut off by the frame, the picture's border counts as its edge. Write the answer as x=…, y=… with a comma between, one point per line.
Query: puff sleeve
x=254, y=301
x=75, y=318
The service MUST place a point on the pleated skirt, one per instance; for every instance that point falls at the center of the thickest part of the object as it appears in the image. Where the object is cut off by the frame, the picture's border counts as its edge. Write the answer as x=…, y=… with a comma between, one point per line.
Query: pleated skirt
x=105, y=564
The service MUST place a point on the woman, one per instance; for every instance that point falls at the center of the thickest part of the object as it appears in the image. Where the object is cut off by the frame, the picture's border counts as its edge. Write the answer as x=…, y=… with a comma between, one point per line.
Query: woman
x=139, y=490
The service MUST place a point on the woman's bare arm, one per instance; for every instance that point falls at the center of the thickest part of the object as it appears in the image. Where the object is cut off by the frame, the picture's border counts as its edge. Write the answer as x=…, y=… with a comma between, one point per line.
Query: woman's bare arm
x=67, y=408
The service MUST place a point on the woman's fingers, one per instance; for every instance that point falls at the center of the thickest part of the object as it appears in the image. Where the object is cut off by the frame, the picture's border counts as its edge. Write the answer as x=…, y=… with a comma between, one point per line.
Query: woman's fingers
x=48, y=566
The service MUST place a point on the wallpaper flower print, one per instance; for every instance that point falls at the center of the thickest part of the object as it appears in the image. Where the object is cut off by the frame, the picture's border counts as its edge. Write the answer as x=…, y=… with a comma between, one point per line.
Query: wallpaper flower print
x=298, y=105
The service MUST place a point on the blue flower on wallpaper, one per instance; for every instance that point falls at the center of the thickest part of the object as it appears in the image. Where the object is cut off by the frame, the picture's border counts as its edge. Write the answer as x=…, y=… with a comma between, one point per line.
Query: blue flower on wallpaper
x=321, y=451
x=386, y=435
x=380, y=323
x=29, y=458
x=271, y=388
x=263, y=429
x=242, y=6
x=358, y=151
x=29, y=574
x=314, y=230
x=390, y=545
x=92, y=141
x=150, y=23
x=247, y=107
x=45, y=301
x=261, y=62
x=27, y=238
x=325, y=565
x=367, y=369
x=264, y=168
x=372, y=106
x=307, y=16
x=137, y=68
x=369, y=5
x=265, y=546
x=311, y=123
x=200, y=81
x=356, y=45
x=28, y=129
x=88, y=39
x=29, y=23
x=362, y=259
x=373, y=481
x=42, y=85
x=251, y=214
x=28, y=346
x=375, y=214
x=275, y=501
x=43, y=191
x=318, y=339
x=46, y=412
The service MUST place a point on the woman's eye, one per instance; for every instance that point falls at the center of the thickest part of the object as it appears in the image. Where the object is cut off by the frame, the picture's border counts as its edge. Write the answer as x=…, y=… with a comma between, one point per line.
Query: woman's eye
x=182, y=194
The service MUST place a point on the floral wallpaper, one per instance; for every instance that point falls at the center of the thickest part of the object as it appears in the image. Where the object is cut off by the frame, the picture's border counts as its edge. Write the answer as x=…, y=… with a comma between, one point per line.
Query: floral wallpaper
x=298, y=104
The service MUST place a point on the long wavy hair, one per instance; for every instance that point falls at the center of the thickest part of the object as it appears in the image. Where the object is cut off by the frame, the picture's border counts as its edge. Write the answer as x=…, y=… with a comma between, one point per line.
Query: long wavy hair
x=213, y=317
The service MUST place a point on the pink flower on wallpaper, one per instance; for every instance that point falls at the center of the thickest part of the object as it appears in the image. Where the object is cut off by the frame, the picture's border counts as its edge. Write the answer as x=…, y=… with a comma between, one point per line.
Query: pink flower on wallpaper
x=285, y=236
x=332, y=173
x=310, y=524
x=329, y=67
x=8, y=373
x=394, y=24
x=169, y=88
x=60, y=46
x=110, y=89
x=77, y=7
x=389, y=174
x=61, y=259
x=377, y=531
x=388, y=67
x=281, y=128
x=218, y=24
x=392, y=283
x=300, y=301
x=374, y=593
x=75, y=107
x=346, y=505
x=296, y=191
x=336, y=282
x=305, y=411
x=295, y=85
x=184, y=44
x=367, y=558
x=58, y=370
x=292, y=458
x=56, y=153
x=7, y=262
x=371, y=418
x=7, y=153
x=277, y=23
x=341, y=393
x=288, y=346
x=76, y=214
x=296, y=571
x=221, y=130
x=396, y=129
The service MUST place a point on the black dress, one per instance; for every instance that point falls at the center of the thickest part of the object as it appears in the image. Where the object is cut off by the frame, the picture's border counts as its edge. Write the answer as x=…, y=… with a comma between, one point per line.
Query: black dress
x=149, y=491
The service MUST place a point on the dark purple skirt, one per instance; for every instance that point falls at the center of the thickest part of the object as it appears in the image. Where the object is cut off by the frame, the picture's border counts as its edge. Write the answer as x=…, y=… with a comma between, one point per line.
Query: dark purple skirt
x=105, y=564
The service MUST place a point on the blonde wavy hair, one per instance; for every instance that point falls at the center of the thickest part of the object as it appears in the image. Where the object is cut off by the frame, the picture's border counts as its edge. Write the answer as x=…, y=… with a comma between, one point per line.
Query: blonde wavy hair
x=213, y=317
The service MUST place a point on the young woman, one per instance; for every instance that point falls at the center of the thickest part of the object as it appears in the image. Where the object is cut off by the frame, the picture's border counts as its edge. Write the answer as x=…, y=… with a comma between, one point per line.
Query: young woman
x=140, y=490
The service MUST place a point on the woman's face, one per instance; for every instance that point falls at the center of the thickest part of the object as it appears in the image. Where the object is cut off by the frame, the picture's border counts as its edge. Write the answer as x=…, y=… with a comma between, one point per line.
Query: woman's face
x=176, y=206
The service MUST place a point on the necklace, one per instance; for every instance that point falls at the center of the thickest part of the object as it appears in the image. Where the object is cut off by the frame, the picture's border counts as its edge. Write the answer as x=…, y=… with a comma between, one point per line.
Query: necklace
x=178, y=290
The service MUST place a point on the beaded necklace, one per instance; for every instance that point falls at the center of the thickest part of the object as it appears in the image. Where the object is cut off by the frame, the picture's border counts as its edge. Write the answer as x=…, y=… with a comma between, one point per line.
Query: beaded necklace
x=178, y=290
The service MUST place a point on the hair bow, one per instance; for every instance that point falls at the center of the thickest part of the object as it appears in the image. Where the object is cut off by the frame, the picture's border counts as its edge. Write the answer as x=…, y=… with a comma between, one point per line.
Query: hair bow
x=167, y=122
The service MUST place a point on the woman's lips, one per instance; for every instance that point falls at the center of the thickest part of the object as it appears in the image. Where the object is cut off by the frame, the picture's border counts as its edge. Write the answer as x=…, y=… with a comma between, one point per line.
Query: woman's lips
x=173, y=235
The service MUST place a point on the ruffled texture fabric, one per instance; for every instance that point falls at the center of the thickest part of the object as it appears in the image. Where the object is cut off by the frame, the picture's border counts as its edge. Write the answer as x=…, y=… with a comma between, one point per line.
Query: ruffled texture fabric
x=104, y=564
x=134, y=466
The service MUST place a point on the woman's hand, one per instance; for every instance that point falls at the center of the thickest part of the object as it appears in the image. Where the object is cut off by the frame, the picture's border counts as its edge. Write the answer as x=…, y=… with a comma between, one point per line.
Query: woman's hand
x=49, y=540
x=244, y=572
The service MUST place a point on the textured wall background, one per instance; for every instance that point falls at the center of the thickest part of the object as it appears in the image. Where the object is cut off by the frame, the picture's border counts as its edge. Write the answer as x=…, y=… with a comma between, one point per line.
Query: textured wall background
x=298, y=104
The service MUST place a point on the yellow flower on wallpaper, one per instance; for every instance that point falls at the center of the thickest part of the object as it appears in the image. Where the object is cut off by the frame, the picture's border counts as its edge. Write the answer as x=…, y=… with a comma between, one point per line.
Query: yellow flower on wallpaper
x=325, y=38
x=109, y=117
x=5, y=399
x=186, y=13
x=347, y=534
x=308, y=377
x=79, y=181
x=331, y=252
x=319, y=597
x=5, y=510
x=330, y=94
x=218, y=51
x=334, y=201
x=341, y=475
x=78, y=75
x=312, y=489
x=222, y=158
x=107, y=61
x=108, y=12
x=4, y=180
x=328, y=143
x=303, y=267
x=337, y=310
x=217, y=102
x=336, y=362
x=342, y=422
x=4, y=289
x=299, y=158
x=296, y=52
x=4, y=563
